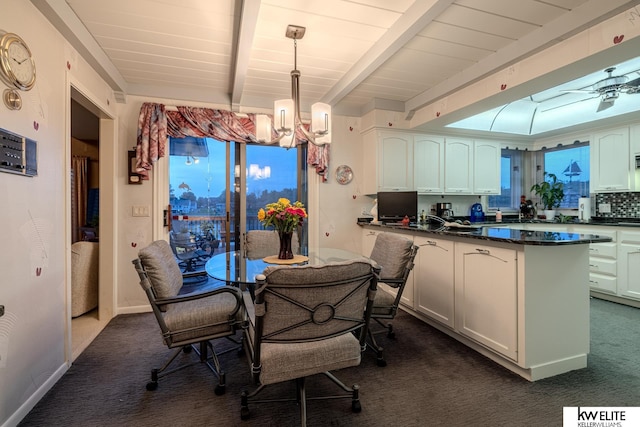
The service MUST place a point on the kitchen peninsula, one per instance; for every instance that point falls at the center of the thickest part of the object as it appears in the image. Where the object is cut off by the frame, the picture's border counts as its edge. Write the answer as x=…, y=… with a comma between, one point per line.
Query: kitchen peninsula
x=519, y=297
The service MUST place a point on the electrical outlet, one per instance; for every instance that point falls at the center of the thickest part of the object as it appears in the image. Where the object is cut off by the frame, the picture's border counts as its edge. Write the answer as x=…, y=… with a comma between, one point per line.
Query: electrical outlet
x=604, y=208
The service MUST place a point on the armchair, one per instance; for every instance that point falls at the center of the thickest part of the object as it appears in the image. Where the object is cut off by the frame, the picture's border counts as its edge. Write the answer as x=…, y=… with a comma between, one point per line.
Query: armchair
x=188, y=319
x=262, y=243
x=306, y=321
x=395, y=255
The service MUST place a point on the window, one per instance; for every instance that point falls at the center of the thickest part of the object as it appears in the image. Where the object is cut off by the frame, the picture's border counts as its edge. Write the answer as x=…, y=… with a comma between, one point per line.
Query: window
x=570, y=164
x=510, y=181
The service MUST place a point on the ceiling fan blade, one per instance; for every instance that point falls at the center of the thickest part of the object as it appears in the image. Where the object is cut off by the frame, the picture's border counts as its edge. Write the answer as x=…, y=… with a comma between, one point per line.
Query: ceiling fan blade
x=604, y=105
x=569, y=103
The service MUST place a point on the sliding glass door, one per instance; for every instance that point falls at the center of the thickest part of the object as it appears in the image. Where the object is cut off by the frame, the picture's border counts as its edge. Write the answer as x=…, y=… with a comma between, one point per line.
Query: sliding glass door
x=213, y=204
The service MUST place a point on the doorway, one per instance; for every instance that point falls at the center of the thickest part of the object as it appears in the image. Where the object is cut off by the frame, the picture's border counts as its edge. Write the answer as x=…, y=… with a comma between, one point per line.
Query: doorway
x=91, y=142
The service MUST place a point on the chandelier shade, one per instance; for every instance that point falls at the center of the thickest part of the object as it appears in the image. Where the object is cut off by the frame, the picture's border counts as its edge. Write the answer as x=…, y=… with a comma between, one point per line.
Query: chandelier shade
x=286, y=112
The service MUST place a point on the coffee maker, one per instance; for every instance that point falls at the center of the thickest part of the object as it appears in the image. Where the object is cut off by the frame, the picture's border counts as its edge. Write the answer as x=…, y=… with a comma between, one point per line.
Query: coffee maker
x=444, y=210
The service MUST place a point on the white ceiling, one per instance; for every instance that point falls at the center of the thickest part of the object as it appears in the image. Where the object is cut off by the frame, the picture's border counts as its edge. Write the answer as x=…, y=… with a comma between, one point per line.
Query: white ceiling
x=356, y=55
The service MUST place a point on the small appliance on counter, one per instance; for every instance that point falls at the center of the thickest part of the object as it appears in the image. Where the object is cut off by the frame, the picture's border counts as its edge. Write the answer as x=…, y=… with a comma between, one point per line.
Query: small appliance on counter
x=444, y=210
x=476, y=214
x=584, y=209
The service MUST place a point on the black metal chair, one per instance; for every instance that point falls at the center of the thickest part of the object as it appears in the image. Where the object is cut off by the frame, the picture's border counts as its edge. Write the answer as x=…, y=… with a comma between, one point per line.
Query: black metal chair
x=395, y=255
x=189, y=321
x=306, y=321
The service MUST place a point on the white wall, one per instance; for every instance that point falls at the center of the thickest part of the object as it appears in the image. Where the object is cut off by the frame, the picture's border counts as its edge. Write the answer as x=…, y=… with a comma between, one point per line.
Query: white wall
x=33, y=255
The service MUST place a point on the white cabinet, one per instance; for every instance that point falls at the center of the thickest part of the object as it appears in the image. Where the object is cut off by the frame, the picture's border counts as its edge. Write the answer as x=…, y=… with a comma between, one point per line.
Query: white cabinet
x=603, y=264
x=388, y=161
x=433, y=279
x=368, y=241
x=610, y=161
x=629, y=260
x=428, y=164
x=458, y=166
x=486, y=167
x=486, y=296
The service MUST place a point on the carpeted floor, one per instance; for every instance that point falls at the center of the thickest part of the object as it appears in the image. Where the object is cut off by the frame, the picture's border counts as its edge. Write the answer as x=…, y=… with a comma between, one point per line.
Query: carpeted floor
x=430, y=380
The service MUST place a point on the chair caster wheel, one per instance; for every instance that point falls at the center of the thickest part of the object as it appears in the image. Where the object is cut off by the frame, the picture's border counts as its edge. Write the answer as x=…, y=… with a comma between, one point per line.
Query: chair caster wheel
x=244, y=413
x=391, y=334
x=356, y=407
x=187, y=349
x=152, y=386
x=219, y=390
x=241, y=352
x=381, y=362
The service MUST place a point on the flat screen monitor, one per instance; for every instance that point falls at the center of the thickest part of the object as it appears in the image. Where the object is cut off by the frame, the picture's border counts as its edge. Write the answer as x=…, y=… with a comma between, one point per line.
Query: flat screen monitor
x=395, y=205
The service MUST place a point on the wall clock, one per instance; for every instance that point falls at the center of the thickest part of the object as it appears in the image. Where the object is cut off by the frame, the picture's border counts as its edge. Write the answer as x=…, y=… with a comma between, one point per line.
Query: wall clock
x=17, y=68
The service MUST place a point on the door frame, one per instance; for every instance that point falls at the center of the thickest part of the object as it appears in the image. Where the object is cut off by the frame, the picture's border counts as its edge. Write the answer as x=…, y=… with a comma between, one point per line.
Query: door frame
x=107, y=211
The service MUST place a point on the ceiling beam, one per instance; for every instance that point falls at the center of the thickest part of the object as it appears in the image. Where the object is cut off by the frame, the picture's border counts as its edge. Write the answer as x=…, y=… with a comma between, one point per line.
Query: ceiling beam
x=567, y=25
x=67, y=23
x=246, y=28
x=414, y=20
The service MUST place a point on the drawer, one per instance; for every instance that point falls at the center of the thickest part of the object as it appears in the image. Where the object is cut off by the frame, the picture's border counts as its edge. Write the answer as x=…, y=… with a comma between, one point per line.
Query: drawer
x=606, y=250
x=603, y=283
x=630, y=237
x=603, y=266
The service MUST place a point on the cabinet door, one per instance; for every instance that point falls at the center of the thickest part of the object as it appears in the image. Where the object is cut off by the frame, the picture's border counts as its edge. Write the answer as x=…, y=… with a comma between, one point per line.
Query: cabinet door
x=486, y=169
x=610, y=161
x=486, y=296
x=395, y=162
x=458, y=166
x=433, y=279
x=370, y=162
x=629, y=264
x=428, y=164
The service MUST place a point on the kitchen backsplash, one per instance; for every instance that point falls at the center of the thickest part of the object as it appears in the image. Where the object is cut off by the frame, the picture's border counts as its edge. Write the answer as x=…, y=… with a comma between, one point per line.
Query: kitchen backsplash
x=623, y=205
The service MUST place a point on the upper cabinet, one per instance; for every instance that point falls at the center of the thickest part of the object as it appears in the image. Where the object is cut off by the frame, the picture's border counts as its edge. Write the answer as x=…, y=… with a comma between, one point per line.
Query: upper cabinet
x=388, y=161
x=428, y=164
x=610, y=161
x=458, y=166
x=486, y=169
x=404, y=161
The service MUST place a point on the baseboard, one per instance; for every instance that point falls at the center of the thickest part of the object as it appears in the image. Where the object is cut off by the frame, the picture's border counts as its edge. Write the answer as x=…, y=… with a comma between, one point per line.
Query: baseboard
x=616, y=299
x=33, y=400
x=134, y=309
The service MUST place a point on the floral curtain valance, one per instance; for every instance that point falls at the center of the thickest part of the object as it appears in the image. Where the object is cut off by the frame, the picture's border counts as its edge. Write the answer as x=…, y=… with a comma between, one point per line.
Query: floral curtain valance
x=155, y=124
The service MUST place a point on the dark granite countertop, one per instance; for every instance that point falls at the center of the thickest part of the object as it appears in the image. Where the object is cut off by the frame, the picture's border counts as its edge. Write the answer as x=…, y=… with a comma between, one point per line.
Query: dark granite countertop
x=610, y=222
x=498, y=234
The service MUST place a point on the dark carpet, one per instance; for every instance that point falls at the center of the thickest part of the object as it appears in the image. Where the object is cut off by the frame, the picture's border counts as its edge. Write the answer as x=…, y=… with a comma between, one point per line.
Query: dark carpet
x=430, y=380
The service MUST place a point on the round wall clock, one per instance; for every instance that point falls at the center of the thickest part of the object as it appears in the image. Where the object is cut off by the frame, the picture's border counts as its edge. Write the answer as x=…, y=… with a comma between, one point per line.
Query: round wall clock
x=17, y=67
x=344, y=174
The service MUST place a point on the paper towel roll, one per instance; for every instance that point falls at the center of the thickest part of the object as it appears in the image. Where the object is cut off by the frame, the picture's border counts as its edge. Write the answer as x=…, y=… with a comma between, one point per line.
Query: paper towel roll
x=584, y=209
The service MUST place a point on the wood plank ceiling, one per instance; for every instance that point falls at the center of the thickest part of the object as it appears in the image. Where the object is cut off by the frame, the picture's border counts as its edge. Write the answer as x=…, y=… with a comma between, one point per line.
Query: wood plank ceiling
x=356, y=54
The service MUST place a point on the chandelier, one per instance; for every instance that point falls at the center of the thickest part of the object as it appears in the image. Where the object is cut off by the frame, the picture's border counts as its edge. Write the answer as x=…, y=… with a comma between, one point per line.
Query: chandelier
x=286, y=112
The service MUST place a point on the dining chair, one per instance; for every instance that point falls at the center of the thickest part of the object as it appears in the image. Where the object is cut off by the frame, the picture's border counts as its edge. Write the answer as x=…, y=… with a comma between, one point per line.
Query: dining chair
x=189, y=321
x=309, y=320
x=395, y=254
x=263, y=243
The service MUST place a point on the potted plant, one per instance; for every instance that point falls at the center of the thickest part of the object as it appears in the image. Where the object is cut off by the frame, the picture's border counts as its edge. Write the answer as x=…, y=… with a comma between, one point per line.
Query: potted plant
x=551, y=193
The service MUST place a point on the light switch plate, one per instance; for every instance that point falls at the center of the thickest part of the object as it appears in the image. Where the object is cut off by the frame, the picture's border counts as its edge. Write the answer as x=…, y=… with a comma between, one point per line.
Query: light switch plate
x=140, y=210
x=604, y=208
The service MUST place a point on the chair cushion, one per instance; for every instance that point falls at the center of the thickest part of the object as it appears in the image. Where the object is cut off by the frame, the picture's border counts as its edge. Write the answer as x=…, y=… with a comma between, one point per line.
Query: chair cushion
x=283, y=362
x=383, y=302
x=162, y=269
x=210, y=315
x=391, y=252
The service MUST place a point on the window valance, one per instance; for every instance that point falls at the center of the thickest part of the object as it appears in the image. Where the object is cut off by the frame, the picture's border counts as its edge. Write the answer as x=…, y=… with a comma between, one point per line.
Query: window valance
x=156, y=124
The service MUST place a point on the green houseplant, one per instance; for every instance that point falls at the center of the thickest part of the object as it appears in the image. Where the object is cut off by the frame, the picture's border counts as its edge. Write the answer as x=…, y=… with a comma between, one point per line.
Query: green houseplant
x=551, y=193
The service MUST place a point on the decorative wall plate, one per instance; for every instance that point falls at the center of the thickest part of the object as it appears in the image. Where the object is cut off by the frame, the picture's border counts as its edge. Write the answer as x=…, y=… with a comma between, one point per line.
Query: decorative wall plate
x=344, y=174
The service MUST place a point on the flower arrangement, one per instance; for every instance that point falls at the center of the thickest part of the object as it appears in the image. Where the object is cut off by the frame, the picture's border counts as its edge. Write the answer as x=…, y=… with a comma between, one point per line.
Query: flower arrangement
x=282, y=215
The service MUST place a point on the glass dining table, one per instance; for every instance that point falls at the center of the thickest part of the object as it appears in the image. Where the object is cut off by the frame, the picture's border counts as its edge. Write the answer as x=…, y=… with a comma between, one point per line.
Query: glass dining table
x=238, y=268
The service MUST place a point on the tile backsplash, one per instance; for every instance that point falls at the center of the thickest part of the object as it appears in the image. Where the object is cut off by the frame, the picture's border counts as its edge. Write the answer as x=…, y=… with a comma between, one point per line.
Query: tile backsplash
x=623, y=205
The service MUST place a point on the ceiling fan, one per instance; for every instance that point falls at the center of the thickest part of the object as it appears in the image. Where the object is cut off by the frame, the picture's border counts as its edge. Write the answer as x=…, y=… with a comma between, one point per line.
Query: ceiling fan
x=609, y=88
